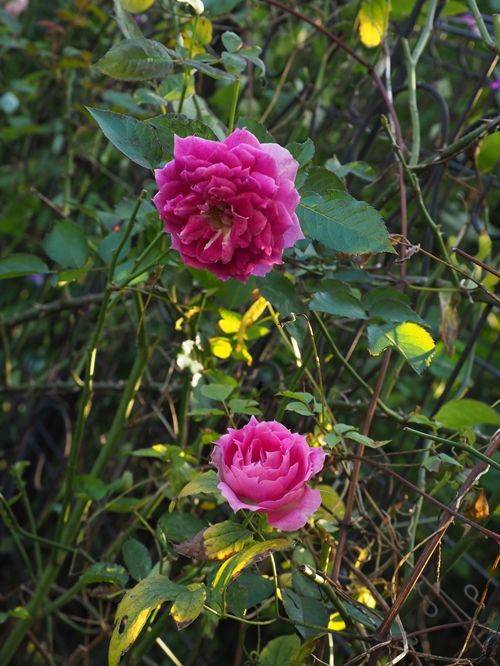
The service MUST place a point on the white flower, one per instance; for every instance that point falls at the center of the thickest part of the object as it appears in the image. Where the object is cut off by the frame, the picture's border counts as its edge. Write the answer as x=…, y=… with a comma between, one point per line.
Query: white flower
x=186, y=359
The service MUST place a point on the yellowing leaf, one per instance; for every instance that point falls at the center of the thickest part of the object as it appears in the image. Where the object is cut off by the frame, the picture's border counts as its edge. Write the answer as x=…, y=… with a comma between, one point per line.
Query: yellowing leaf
x=373, y=20
x=136, y=6
x=253, y=553
x=410, y=339
x=225, y=539
x=135, y=609
x=188, y=605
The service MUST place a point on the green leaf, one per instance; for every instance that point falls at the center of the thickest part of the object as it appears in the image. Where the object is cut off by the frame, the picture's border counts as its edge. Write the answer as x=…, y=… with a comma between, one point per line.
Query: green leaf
x=233, y=63
x=135, y=609
x=390, y=304
x=280, y=292
x=256, y=588
x=298, y=408
x=220, y=7
x=178, y=526
x=279, y=651
x=137, y=559
x=336, y=298
x=410, y=339
x=137, y=59
x=243, y=406
x=17, y=265
x=488, y=153
x=126, y=23
x=110, y=243
x=91, y=487
x=305, y=610
x=361, y=170
x=170, y=124
x=465, y=413
x=302, y=152
x=218, y=392
x=322, y=181
x=232, y=567
x=137, y=140
x=256, y=128
x=67, y=245
x=232, y=42
x=343, y=224
x=105, y=572
x=205, y=483
x=188, y=605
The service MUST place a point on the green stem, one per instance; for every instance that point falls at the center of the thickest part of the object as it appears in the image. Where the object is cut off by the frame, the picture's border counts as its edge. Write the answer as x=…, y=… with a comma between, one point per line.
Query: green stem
x=485, y=35
x=72, y=526
x=86, y=397
x=465, y=447
x=234, y=106
x=186, y=76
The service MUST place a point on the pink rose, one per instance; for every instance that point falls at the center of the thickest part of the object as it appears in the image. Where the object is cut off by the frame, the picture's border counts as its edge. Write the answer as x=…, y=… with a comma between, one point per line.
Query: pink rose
x=16, y=7
x=229, y=205
x=265, y=467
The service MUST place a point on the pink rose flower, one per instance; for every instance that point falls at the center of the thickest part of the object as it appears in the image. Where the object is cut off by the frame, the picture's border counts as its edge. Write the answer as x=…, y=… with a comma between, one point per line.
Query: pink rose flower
x=229, y=205
x=265, y=467
x=16, y=7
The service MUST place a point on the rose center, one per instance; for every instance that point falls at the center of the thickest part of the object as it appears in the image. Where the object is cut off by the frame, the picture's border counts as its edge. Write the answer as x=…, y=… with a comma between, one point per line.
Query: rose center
x=219, y=216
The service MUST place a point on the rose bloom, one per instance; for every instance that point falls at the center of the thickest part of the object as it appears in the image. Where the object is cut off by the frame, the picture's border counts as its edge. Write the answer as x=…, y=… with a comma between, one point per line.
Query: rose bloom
x=265, y=467
x=229, y=205
x=16, y=7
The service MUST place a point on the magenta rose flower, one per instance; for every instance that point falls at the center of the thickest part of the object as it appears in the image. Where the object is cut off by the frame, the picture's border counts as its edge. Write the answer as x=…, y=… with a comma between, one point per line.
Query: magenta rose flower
x=229, y=205
x=265, y=467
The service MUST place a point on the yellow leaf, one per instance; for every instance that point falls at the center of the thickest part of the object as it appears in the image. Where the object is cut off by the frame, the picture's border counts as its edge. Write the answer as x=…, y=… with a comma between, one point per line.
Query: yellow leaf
x=136, y=6
x=230, y=321
x=365, y=597
x=336, y=623
x=373, y=20
x=221, y=347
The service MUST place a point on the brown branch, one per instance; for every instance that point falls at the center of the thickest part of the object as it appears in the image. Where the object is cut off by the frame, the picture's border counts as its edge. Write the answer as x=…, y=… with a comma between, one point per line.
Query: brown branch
x=465, y=255
x=351, y=492
x=478, y=470
x=459, y=516
x=39, y=310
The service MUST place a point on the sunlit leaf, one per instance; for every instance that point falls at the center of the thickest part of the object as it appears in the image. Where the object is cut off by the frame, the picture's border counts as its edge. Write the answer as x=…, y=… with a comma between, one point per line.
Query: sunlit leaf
x=373, y=20
x=410, y=339
x=464, y=413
